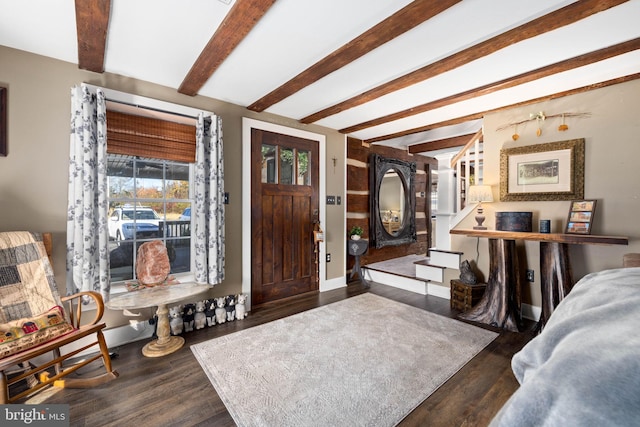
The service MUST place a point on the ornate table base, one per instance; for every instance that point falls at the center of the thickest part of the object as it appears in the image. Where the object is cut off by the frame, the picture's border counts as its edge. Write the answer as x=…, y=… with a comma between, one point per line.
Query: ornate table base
x=502, y=297
x=165, y=344
x=555, y=277
x=500, y=304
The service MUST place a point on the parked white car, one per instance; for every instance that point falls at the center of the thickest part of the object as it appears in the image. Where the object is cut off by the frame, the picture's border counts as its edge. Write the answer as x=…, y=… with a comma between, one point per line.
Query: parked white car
x=122, y=225
x=186, y=215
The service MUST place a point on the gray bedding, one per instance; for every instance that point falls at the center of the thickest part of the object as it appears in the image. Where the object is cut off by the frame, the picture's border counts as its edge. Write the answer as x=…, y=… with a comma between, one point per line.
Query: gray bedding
x=584, y=368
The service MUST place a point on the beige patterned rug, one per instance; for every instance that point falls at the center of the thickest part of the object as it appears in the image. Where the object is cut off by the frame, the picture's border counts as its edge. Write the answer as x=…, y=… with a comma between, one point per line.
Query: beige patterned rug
x=363, y=361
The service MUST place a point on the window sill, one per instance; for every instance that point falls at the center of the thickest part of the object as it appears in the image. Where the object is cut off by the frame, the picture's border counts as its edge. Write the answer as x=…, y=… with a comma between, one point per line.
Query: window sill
x=120, y=288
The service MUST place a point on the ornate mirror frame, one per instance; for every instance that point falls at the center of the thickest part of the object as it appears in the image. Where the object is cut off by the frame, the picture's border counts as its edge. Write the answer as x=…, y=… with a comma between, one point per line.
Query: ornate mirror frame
x=378, y=235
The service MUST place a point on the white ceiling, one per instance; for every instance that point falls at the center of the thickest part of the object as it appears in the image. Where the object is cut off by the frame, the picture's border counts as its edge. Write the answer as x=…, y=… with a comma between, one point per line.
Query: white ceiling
x=160, y=40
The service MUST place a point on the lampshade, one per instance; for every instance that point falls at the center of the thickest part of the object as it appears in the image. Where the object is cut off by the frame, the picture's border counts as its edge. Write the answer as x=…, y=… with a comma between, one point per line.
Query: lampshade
x=480, y=193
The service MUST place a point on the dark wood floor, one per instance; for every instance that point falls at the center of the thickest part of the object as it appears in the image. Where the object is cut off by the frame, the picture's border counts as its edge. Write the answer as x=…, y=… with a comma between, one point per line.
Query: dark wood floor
x=173, y=390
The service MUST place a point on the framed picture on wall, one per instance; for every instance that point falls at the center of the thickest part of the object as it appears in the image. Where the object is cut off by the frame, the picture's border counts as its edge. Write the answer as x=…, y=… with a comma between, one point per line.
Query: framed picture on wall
x=580, y=217
x=3, y=121
x=551, y=171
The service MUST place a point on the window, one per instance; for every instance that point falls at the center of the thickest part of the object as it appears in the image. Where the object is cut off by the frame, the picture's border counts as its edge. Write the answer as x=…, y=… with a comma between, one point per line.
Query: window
x=148, y=199
x=149, y=169
x=293, y=167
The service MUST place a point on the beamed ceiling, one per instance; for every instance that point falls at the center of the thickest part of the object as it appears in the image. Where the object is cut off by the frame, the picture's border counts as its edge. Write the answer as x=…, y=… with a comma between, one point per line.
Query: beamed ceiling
x=417, y=74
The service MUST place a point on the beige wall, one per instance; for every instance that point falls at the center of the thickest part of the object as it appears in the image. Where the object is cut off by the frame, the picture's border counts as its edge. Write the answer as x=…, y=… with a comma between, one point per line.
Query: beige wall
x=33, y=177
x=612, y=152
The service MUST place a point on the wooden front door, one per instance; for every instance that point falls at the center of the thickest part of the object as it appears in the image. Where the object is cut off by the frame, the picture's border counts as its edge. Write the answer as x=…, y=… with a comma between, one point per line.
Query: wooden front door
x=284, y=206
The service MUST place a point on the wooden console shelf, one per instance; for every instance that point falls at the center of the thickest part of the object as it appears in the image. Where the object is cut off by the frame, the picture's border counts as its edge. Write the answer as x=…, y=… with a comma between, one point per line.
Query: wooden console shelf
x=573, y=239
x=500, y=305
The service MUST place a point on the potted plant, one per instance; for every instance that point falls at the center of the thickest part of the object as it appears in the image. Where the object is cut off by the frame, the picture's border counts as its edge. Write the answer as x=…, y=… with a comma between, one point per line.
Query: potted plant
x=356, y=232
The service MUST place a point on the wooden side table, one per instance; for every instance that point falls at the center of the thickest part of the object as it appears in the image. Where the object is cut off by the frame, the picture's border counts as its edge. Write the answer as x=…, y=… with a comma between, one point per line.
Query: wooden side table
x=160, y=296
x=357, y=248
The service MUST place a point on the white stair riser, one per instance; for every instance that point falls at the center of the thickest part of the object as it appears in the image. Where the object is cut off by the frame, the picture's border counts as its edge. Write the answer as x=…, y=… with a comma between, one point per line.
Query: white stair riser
x=444, y=259
x=427, y=272
x=439, y=291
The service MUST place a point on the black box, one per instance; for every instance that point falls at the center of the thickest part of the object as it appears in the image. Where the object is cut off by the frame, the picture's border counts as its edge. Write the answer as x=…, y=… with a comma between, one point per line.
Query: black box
x=514, y=221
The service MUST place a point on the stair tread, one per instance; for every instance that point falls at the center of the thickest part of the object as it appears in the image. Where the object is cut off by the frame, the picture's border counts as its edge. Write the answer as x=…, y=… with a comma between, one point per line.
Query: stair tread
x=427, y=263
x=445, y=251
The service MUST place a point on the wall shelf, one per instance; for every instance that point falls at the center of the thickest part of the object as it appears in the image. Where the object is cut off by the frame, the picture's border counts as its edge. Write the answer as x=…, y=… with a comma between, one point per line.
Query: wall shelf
x=573, y=239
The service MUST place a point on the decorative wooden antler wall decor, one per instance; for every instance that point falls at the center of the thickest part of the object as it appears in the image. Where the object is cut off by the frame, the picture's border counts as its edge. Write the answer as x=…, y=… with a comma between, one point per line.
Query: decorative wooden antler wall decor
x=540, y=117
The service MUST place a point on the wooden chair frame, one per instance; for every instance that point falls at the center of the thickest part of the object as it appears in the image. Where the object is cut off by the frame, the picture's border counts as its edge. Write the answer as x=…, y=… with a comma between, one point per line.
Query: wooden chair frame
x=25, y=357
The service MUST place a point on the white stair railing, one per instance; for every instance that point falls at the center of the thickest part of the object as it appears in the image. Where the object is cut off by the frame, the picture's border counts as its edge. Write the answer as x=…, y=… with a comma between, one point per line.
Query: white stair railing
x=469, y=158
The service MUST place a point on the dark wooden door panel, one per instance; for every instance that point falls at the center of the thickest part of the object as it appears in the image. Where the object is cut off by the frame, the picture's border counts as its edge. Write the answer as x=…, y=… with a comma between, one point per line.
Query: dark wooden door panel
x=283, y=257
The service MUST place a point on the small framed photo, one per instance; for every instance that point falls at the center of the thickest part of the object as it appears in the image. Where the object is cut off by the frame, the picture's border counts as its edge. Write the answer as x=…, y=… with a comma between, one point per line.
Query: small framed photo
x=580, y=217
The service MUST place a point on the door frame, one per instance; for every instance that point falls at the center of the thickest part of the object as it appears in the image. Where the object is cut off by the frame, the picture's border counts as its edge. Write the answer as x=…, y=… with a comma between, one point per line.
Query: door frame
x=247, y=125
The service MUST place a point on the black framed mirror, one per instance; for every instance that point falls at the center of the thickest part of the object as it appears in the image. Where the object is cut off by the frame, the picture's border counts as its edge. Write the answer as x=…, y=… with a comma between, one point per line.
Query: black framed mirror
x=392, y=219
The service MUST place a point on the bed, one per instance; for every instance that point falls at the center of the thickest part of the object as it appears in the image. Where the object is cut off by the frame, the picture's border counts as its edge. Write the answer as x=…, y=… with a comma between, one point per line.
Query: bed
x=584, y=368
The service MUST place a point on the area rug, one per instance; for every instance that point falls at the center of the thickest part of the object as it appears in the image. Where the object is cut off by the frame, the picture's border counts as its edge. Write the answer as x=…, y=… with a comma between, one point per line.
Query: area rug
x=363, y=361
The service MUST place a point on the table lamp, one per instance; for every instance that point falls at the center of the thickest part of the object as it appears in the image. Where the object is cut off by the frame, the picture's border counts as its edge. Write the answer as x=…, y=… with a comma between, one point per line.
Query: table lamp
x=479, y=193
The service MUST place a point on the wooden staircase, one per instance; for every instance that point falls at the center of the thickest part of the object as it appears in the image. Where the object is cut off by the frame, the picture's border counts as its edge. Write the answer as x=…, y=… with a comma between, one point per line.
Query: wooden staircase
x=425, y=274
x=433, y=267
x=416, y=273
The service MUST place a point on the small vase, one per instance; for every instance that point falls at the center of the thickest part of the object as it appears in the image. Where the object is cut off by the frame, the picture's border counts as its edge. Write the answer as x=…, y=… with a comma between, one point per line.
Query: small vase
x=355, y=237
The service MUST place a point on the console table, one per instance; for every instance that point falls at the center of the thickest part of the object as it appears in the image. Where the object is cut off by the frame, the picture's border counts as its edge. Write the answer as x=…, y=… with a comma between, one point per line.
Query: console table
x=500, y=305
x=160, y=296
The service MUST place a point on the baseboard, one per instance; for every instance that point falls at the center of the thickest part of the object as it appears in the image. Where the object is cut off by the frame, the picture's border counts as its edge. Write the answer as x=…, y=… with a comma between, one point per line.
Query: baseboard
x=115, y=337
x=531, y=312
x=338, y=282
x=400, y=282
x=121, y=335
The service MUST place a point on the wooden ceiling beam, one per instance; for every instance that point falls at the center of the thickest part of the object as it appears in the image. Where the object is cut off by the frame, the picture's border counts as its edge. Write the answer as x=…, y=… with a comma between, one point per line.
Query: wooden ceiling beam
x=92, y=23
x=440, y=144
x=552, y=21
x=450, y=122
x=479, y=115
x=569, y=64
x=397, y=24
x=241, y=19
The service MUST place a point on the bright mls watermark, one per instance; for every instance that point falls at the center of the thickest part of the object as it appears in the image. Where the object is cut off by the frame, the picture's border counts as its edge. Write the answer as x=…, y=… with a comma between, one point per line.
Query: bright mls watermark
x=34, y=415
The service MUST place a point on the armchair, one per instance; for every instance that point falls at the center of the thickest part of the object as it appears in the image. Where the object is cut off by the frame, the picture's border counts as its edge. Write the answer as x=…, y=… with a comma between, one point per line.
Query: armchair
x=36, y=321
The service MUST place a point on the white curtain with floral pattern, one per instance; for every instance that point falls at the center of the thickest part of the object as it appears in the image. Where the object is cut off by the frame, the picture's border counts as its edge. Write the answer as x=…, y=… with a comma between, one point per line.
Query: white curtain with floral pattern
x=87, y=232
x=209, y=222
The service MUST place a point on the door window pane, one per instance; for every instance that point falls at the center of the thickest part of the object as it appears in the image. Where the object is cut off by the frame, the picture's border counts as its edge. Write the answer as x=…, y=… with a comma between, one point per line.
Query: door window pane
x=269, y=164
x=304, y=177
x=286, y=166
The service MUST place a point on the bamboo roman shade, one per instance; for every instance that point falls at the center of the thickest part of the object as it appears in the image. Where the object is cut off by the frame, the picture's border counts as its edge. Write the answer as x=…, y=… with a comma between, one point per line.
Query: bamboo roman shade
x=133, y=135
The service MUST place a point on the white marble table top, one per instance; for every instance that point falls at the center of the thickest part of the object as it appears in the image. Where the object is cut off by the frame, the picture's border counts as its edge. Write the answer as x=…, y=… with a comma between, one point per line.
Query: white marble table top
x=157, y=295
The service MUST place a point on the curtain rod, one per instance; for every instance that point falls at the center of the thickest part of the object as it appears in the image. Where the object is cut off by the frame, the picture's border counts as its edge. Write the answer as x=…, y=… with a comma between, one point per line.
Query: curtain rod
x=138, y=101
x=158, y=110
